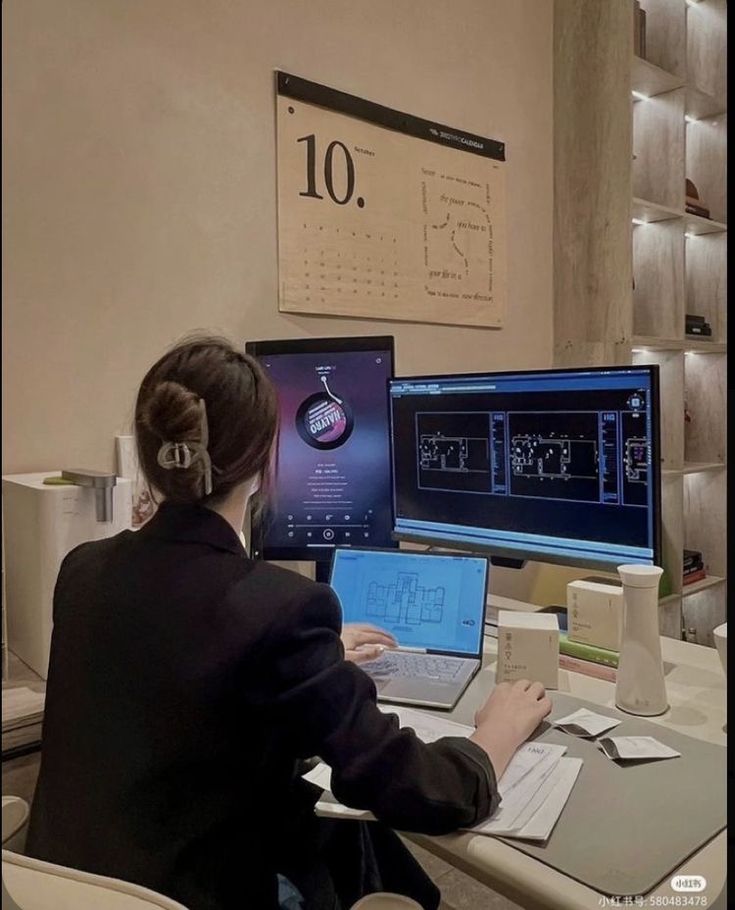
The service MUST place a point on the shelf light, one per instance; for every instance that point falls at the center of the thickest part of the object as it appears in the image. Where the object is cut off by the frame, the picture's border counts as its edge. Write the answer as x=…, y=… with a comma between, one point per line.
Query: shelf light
x=640, y=96
x=639, y=350
x=689, y=118
x=689, y=236
x=638, y=221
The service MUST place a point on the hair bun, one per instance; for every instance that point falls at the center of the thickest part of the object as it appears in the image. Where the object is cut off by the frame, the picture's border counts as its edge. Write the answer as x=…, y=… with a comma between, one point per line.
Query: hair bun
x=172, y=413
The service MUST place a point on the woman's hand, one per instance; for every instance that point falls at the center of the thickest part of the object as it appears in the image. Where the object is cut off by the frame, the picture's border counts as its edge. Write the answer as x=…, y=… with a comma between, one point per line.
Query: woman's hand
x=509, y=716
x=363, y=642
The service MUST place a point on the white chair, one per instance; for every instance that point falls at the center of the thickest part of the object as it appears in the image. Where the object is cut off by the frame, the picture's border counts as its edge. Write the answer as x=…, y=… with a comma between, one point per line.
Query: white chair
x=15, y=823
x=385, y=901
x=720, y=636
x=36, y=885
x=32, y=884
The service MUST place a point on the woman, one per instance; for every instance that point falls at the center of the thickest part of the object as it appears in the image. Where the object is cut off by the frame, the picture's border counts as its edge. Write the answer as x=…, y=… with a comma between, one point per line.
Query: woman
x=186, y=683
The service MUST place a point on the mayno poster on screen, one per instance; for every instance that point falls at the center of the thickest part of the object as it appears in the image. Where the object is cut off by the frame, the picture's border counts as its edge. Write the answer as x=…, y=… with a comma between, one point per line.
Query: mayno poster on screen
x=385, y=215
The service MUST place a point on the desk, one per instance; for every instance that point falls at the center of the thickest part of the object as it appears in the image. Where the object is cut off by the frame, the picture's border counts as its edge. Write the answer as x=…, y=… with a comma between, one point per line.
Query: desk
x=697, y=696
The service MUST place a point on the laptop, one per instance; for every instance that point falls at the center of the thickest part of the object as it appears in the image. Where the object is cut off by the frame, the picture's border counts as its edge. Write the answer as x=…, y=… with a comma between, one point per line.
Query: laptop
x=433, y=605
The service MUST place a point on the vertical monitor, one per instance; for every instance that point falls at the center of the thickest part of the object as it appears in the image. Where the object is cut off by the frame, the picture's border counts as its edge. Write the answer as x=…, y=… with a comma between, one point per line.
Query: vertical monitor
x=557, y=465
x=333, y=481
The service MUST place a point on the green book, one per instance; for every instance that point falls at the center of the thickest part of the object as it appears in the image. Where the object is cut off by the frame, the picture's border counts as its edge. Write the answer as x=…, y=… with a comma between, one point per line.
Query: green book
x=587, y=652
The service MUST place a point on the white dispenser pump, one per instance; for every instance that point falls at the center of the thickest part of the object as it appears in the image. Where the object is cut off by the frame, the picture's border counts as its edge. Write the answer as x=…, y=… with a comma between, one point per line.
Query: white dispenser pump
x=640, y=688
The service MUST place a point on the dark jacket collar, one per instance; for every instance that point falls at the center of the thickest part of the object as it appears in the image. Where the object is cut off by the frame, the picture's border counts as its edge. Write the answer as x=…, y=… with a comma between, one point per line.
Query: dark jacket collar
x=193, y=524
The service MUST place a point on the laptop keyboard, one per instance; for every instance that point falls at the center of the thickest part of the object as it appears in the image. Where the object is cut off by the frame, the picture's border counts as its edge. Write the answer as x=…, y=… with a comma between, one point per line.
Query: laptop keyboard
x=403, y=664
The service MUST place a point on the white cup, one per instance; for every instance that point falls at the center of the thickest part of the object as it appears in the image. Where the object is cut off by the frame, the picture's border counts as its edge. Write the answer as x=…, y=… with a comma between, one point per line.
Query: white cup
x=720, y=634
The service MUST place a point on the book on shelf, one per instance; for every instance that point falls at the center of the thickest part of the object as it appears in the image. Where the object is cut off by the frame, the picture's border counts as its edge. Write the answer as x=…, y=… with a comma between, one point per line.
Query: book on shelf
x=699, y=575
x=636, y=27
x=639, y=30
x=587, y=667
x=642, y=30
x=696, y=329
x=692, y=207
x=693, y=558
x=692, y=203
x=587, y=652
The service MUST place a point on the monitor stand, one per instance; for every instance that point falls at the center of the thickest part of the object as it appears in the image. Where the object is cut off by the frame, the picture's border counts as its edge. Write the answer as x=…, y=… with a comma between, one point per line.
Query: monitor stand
x=321, y=572
x=507, y=562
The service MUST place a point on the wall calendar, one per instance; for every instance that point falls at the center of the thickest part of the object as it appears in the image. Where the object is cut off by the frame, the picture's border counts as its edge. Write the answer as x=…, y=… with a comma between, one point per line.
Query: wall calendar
x=385, y=215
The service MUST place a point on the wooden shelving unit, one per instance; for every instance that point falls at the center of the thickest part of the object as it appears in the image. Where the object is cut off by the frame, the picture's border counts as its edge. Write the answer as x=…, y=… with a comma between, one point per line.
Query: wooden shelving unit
x=630, y=262
x=679, y=267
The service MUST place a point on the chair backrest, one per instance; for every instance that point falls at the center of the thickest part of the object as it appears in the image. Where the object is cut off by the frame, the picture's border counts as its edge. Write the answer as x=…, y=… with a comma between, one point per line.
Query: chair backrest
x=15, y=823
x=36, y=885
x=384, y=901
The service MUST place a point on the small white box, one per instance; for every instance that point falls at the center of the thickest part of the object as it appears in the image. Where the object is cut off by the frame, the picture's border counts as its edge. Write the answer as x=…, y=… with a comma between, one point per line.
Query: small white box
x=595, y=613
x=528, y=647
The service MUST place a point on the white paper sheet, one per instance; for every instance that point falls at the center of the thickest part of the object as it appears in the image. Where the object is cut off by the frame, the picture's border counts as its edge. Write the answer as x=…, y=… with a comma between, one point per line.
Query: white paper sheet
x=508, y=816
x=517, y=798
x=526, y=758
x=589, y=723
x=321, y=775
x=428, y=727
x=636, y=748
x=329, y=807
x=542, y=824
x=526, y=784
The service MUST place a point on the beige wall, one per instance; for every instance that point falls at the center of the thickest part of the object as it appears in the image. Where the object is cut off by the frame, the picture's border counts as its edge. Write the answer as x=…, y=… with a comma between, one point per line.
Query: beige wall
x=139, y=185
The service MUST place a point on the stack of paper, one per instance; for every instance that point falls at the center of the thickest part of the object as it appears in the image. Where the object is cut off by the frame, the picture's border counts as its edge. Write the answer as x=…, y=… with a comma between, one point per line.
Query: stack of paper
x=534, y=787
x=532, y=798
x=21, y=706
x=22, y=717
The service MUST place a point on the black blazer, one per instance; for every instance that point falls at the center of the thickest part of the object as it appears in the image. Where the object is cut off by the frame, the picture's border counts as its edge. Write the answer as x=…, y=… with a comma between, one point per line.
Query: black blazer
x=185, y=683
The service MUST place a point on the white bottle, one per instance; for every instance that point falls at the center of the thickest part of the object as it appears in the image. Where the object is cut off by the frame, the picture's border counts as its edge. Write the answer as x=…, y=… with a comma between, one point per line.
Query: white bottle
x=640, y=688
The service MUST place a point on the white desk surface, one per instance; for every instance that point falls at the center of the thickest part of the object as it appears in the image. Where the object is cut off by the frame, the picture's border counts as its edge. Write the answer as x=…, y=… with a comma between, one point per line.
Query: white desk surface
x=696, y=689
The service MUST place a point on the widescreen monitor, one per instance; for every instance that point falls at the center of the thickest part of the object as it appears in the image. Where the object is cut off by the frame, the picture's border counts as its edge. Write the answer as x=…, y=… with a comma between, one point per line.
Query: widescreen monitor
x=333, y=484
x=558, y=466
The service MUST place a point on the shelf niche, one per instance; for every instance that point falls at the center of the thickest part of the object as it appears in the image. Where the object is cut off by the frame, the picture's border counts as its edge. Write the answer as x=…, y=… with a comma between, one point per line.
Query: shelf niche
x=666, y=38
x=705, y=401
x=706, y=46
x=658, y=149
x=658, y=273
x=706, y=281
x=706, y=162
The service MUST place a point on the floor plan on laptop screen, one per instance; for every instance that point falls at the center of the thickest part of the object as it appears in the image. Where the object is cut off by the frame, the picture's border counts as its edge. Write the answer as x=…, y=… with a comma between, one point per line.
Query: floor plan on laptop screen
x=425, y=602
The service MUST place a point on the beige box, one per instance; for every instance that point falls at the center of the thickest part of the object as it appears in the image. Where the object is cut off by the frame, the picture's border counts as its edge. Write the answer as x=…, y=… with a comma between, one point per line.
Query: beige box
x=528, y=647
x=595, y=613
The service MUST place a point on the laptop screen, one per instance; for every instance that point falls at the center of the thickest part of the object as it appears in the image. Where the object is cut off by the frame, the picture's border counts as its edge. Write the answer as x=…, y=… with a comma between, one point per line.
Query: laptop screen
x=425, y=601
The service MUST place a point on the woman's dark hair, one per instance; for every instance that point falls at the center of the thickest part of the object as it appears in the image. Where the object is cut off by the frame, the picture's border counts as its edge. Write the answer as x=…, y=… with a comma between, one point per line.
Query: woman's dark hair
x=241, y=410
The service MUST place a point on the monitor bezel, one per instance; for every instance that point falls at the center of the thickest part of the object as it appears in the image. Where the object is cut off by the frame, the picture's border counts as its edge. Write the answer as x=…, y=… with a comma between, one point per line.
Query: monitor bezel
x=584, y=562
x=345, y=344
x=467, y=655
